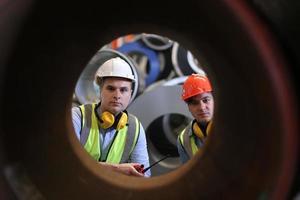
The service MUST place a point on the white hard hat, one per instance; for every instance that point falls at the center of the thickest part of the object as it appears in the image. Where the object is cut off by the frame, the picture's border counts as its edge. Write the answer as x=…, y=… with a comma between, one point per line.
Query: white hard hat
x=115, y=67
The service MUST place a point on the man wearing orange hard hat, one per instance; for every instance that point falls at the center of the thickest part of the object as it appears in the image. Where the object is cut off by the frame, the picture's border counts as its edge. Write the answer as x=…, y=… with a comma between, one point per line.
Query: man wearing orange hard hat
x=197, y=93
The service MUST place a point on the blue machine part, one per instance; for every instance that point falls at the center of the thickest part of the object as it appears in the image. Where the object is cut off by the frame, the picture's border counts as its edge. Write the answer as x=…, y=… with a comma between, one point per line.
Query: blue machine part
x=154, y=62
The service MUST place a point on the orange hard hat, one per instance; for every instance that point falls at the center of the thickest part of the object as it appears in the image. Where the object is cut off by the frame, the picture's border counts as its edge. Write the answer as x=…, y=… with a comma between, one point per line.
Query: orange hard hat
x=195, y=84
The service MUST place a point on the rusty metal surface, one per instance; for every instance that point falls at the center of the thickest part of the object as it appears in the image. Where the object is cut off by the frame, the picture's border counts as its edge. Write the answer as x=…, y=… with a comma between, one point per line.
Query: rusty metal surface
x=252, y=152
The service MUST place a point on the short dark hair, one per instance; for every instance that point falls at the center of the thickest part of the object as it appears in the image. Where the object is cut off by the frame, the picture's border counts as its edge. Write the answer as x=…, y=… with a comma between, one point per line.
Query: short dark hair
x=190, y=99
x=100, y=81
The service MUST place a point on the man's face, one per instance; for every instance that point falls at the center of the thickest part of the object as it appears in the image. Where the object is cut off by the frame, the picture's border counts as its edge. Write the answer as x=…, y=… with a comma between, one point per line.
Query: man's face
x=115, y=95
x=201, y=107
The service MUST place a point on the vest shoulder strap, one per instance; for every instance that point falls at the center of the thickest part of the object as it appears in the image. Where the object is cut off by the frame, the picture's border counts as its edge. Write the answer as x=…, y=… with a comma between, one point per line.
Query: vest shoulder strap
x=86, y=113
x=186, y=143
x=133, y=132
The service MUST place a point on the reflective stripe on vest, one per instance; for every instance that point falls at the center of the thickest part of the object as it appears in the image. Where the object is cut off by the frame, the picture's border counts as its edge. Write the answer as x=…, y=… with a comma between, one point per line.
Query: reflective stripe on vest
x=123, y=144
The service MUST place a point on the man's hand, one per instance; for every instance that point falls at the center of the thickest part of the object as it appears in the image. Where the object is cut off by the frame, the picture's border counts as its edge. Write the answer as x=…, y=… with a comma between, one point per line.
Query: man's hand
x=130, y=169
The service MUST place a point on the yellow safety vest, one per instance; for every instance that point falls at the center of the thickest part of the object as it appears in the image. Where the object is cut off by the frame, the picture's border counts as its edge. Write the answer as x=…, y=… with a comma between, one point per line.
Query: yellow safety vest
x=123, y=143
x=187, y=140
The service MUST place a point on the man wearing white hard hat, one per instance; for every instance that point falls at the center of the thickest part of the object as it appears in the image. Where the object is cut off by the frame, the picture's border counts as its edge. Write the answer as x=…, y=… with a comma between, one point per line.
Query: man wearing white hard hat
x=111, y=135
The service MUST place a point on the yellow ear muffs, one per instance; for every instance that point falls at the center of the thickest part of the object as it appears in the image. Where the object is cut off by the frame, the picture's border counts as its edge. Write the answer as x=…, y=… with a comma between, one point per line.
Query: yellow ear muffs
x=122, y=121
x=197, y=131
x=107, y=120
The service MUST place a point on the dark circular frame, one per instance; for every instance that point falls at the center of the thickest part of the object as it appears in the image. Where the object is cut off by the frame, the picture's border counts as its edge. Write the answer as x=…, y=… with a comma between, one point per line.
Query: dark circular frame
x=252, y=152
